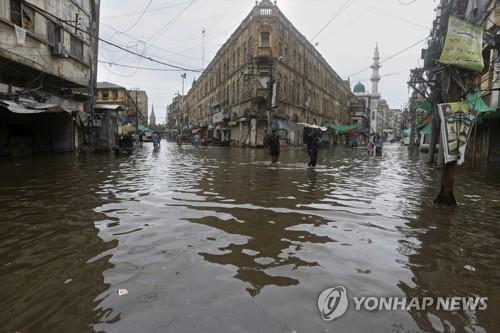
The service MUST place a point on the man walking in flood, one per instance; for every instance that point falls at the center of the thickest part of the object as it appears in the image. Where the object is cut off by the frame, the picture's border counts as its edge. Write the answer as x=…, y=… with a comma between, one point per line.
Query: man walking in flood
x=274, y=146
x=313, y=142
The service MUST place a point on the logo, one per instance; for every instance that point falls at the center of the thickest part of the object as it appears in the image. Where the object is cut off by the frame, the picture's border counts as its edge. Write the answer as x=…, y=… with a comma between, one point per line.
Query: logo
x=333, y=303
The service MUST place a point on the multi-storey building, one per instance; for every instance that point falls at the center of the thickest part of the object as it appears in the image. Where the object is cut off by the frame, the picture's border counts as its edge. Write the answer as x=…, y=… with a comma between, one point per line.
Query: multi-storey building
x=48, y=62
x=174, y=113
x=266, y=75
x=140, y=97
x=112, y=94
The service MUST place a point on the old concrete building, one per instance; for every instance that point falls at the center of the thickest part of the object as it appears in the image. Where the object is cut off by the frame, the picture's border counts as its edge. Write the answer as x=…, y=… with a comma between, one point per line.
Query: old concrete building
x=112, y=94
x=140, y=97
x=48, y=61
x=174, y=113
x=266, y=75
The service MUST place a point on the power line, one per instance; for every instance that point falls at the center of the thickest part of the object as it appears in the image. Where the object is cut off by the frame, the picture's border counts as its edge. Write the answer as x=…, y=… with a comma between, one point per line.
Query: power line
x=116, y=45
x=392, y=15
x=141, y=68
x=151, y=45
x=147, y=11
x=140, y=17
x=169, y=23
x=392, y=56
x=346, y=4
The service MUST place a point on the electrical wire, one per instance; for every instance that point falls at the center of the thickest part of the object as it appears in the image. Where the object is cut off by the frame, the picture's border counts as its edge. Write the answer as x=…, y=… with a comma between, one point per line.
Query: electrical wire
x=411, y=2
x=116, y=45
x=392, y=15
x=140, y=17
x=392, y=56
x=169, y=23
x=346, y=4
x=149, y=44
x=141, y=68
x=147, y=11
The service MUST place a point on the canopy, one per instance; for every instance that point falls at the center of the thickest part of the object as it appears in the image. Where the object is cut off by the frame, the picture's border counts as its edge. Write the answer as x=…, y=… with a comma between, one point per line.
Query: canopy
x=313, y=126
x=425, y=105
x=343, y=128
x=427, y=129
x=25, y=106
x=476, y=102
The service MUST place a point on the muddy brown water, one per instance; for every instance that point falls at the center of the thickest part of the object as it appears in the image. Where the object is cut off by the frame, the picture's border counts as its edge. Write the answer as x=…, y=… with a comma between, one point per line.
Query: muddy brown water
x=217, y=240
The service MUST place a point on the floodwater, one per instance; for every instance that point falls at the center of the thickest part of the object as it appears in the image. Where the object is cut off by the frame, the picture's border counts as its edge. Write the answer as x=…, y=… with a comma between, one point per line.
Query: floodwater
x=218, y=240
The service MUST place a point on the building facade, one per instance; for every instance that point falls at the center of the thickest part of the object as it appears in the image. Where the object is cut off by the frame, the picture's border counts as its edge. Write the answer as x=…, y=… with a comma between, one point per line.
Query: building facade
x=48, y=57
x=140, y=97
x=266, y=75
x=174, y=113
x=112, y=94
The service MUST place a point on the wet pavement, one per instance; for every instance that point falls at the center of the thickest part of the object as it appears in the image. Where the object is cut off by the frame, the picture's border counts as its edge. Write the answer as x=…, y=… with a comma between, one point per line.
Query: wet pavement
x=217, y=240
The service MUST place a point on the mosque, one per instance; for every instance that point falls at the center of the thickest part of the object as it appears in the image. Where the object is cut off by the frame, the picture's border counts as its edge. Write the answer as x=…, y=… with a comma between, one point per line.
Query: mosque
x=376, y=105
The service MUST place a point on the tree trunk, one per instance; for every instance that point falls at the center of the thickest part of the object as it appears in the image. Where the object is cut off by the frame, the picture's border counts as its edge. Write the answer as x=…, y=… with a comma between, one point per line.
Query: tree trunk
x=446, y=196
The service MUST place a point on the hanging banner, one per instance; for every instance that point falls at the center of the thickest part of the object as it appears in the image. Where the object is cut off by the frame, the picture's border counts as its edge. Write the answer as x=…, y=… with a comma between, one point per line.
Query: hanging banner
x=457, y=120
x=463, y=45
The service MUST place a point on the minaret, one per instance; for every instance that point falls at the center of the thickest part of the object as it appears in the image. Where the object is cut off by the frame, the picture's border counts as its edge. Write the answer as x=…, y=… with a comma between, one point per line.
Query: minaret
x=375, y=75
x=152, y=118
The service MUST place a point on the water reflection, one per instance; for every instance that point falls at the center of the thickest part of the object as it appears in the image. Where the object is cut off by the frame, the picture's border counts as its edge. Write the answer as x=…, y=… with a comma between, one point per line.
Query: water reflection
x=217, y=239
x=50, y=277
x=451, y=252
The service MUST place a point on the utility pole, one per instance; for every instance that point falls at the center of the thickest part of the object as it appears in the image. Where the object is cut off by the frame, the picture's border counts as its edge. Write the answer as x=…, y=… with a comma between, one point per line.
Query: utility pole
x=271, y=91
x=413, y=119
x=183, y=77
x=270, y=97
x=203, y=37
x=136, y=111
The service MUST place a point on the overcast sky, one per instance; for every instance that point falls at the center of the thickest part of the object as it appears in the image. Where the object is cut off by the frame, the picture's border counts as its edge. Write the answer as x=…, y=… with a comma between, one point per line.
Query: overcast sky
x=170, y=31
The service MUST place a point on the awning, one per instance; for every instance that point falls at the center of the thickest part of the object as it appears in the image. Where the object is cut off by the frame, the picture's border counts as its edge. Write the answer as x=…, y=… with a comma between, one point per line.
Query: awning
x=484, y=111
x=343, y=128
x=425, y=105
x=324, y=129
x=30, y=108
x=107, y=107
x=427, y=129
x=26, y=106
x=196, y=130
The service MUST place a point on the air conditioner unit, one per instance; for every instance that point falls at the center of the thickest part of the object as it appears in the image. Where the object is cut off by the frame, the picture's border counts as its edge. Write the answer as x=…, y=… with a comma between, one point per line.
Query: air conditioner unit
x=60, y=50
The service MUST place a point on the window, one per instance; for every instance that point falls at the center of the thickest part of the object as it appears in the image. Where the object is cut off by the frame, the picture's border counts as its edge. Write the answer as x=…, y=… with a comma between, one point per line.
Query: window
x=28, y=18
x=115, y=94
x=105, y=94
x=265, y=39
x=76, y=48
x=53, y=33
x=16, y=15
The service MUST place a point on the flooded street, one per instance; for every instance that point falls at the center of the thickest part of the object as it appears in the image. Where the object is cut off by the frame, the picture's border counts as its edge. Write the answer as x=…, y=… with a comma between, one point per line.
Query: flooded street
x=218, y=240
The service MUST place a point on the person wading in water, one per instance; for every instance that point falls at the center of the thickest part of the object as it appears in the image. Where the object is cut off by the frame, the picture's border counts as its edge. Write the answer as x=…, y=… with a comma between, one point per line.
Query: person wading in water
x=274, y=146
x=313, y=142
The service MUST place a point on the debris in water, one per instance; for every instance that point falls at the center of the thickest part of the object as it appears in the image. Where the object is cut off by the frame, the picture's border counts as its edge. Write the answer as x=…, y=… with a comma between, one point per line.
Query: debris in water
x=470, y=268
x=122, y=292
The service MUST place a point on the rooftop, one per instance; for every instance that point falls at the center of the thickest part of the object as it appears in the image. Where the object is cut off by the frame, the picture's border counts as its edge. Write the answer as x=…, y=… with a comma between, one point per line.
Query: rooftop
x=108, y=85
